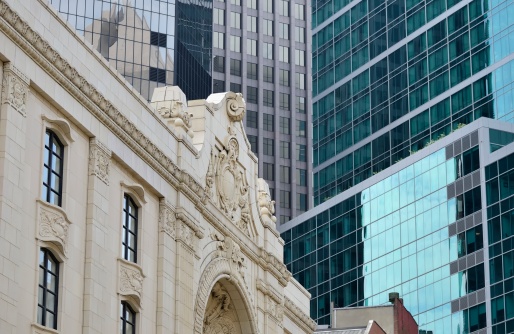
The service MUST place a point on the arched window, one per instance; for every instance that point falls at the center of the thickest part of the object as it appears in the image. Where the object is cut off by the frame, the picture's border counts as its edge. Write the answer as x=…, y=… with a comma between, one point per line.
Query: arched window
x=48, y=289
x=127, y=318
x=53, y=169
x=129, y=237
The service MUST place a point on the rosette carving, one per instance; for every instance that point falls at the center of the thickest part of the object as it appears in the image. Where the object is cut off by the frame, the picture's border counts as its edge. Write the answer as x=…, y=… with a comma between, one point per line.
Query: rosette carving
x=53, y=225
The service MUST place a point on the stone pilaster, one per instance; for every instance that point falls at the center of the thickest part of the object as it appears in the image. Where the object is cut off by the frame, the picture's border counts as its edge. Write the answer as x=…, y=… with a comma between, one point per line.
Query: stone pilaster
x=15, y=89
x=166, y=269
x=97, y=301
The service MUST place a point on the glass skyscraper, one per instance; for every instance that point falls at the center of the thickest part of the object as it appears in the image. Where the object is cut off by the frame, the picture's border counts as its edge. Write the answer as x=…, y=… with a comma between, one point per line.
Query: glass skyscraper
x=412, y=105
x=152, y=43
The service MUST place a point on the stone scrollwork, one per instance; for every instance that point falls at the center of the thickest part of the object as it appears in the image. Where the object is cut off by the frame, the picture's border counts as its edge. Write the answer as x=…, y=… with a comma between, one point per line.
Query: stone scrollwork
x=170, y=102
x=15, y=88
x=236, y=106
x=99, y=160
x=167, y=220
x=130, y=279
x=231, y=186
x=53, y=225
x=266, y=205
x=227, y=248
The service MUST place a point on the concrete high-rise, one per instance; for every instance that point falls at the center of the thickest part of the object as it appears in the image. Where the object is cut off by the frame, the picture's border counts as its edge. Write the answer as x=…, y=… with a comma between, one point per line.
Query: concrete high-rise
x=262, y=49
x=412, y=143
x=151, y=43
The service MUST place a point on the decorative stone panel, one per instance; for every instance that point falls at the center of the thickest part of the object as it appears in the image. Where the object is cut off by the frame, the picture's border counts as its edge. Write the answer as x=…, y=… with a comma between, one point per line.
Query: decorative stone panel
x=15, y=88
x=130, y=280
x=99, y=160
x=53, y=225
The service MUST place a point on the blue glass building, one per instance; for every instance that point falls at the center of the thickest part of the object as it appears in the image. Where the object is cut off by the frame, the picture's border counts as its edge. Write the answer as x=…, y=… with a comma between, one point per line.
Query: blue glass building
x=412, y=105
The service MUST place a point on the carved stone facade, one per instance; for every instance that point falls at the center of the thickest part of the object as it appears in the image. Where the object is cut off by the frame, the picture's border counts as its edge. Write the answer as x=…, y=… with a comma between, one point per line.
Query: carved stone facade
x=206, y=256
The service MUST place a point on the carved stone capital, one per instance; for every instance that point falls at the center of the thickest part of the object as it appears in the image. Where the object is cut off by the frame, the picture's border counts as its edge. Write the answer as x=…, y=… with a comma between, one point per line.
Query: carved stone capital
x=53, y=225
x=236, y=106
x=130, y=279
x=99, y=160
x=15, y=88
x=167, y=220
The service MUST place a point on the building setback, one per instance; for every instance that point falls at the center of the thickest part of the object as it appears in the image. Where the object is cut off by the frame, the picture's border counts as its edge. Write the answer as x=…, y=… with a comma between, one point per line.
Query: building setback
x=392, y=81
x=262, y=48
x=122, y=216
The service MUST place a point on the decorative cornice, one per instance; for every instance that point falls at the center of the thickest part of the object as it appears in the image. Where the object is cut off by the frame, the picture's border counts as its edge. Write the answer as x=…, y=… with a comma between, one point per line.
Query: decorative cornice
x=298, y=316
x=269, y=291
x=270, y=262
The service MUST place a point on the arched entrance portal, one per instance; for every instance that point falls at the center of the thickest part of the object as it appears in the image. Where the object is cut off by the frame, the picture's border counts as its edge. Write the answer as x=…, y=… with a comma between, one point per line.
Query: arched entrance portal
x=225, y=312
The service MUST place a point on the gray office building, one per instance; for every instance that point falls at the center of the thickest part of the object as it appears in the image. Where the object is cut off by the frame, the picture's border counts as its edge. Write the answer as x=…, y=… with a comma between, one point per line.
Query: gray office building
x=262, y=49
x=152, y=43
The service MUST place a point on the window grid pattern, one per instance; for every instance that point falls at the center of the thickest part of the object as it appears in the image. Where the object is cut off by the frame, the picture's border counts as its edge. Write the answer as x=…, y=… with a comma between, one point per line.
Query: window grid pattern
x=130, y=232
x=53, y=169
x=127, y=319
x=48, y=289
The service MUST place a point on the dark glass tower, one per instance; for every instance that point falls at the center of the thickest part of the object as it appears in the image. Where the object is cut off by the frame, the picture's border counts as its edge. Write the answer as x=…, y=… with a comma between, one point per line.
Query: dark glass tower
x=151, y=43
x=412, y=148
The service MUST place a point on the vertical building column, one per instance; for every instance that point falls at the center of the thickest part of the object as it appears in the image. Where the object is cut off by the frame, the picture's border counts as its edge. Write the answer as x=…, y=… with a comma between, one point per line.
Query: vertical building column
x=97, y=301
x=15, y=90
x=166, y=273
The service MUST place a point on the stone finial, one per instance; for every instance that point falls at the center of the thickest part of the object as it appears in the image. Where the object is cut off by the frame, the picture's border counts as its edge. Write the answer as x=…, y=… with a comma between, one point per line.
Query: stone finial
x=171, y=103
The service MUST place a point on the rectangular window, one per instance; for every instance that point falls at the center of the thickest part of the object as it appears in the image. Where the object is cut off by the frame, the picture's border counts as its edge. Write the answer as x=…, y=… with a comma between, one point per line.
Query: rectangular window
x=218, y=40
x=301, y=202
x=252, y=95
x=235, y=43
x=235, y=67
x=268, y=98
x=285, y=174
x=267, y=27
x=301, y=177
x=284, y=219
x=251, y=119
x=299, y=33
x=300, y=80
x=53, y=169
x=235, y=87
x=267, y=73
x=157, y=74
x=129, y=233
x=252, y=4
x=268, y=146
x=251, y=23
x=268, y=122
x=285, y=149
x=299, y=57
x=301, y=152
x=470, y=241
x=283, y=54
x=127, y=319
x=251, y=47
x=283, y=77
x=219, y=64
x=267, y=6
x=48, y=289
x=299, y=11
x=300, y=104
x=268, y=171
x=283, y=7
x=236, y=2
x=158, y=39
x=219, y=16
x=285, y=125
x=218, y=86
x=251, y=71
x=253, y=143
x=301, y=128
x=285, y=199
x=284, y=101
x=267, y=50
x=283, y=30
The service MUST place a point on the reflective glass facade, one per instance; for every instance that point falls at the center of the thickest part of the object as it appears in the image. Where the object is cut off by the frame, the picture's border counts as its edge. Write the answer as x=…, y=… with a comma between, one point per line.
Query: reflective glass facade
x=152, y=43
x=391, y=77
x=419, y=228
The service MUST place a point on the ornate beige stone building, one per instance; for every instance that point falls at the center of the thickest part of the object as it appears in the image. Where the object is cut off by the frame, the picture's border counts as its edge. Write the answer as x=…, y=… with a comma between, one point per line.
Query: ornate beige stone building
x=119, y=216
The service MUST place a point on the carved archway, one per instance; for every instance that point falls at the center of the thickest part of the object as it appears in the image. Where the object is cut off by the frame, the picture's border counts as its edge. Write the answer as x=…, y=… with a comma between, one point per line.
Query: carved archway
x=219, y=271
